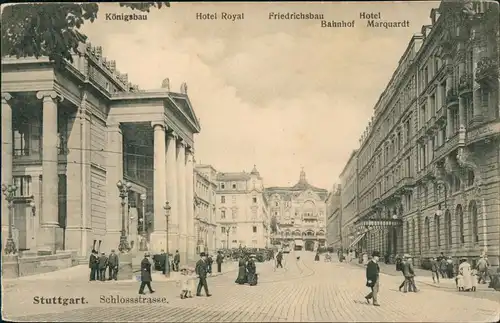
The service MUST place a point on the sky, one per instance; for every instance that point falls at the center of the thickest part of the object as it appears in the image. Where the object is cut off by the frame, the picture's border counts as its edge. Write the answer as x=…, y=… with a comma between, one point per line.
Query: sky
x=280, y=94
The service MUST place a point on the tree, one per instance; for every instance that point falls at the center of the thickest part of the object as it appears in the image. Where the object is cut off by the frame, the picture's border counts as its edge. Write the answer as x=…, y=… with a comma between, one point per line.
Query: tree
x=52, y=29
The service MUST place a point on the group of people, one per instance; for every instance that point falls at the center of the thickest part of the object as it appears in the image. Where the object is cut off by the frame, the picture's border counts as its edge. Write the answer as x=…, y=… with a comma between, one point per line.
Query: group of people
x=99, y=263
x=247, y=271
x=406, y=267
x=188, y=276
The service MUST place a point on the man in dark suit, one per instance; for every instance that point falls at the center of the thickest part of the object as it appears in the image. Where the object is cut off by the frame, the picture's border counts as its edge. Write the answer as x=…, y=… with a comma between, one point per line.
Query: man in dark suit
x=163, y=262
x=409, y=274
x=93, y=265
x=146, y=275
x=372, y=278
x=113, y=262
x=103, y=263
x=201, y=272
x=219, y=260
x=177, y=260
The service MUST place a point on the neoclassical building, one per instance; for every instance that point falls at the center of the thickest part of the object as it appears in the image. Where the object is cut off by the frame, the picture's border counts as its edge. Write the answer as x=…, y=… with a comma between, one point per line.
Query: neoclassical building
x=70, y=134
x=429, y=175
x=205, y=208
x=334, y=218
x=300, y=212
x=242, y=210
x=349, y=199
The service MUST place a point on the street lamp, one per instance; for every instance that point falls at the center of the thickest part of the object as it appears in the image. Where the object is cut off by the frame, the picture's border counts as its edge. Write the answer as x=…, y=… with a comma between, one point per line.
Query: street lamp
x=167, y=208
x=143, y=244
x=228, y=229
x=9, y=192
x=123, y=188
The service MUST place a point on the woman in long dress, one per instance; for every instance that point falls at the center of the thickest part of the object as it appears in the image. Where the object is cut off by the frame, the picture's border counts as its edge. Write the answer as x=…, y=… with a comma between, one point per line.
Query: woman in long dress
x=252, y=271
x=465, y=271
x=242, y=271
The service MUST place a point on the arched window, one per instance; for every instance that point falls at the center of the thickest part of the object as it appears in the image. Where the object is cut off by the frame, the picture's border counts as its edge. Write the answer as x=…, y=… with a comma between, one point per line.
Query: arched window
x=407, y=235
x=473, y=219
x=448, y=229
x=437, y=227
x=460, y=220
x=427, y=233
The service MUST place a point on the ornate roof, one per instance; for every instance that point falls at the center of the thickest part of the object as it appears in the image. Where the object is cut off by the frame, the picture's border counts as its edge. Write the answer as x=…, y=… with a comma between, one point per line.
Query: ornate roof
x=255, y=171
x=302, y=185
x=234, y=176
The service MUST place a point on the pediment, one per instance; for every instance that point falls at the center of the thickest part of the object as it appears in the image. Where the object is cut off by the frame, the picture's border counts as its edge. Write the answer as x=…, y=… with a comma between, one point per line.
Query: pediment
x=309, y=195
x=184, y=106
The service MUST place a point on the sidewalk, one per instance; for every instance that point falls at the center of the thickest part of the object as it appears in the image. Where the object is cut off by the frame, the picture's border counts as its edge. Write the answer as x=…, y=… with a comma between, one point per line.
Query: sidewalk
x=423, y=276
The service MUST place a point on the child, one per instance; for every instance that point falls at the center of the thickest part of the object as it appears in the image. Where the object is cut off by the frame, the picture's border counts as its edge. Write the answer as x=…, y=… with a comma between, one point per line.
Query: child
x=474, y=279
x=184, y=283
x=459, y=282
x=192, y=282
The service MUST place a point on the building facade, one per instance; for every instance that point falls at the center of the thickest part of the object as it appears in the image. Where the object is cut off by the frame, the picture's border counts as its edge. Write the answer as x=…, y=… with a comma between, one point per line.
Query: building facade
x=349, y=199
x=300, y=213
x=70, y=134
x=242, y=210
x=334, y=218
x=205, y=208
x=429, y=175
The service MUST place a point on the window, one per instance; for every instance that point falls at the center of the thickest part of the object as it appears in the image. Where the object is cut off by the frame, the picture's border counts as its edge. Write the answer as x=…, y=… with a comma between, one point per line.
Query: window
x=233, y=230
x=223, y=214
x=254, y=228
x=233, y=199
x=438, y=230
x=474, y=219
x=222, y=186
x=62, y=133
x=223, y=229
x=23, y=184
x=234, y=186
x=460, y=220
x=234, y=213
x=470, y=178
x=427, y=233
x=254, y=200
x=223, y=199
x=277, y=203
x=235, y=241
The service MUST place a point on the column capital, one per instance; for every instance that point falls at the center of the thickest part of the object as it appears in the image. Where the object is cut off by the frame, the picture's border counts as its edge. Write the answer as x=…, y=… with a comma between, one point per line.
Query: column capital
x=160, y=123
x=172, y=134
x=181, y=143
x=189, y=150
x=49, y=94
x=6, y=96
x=114, y=126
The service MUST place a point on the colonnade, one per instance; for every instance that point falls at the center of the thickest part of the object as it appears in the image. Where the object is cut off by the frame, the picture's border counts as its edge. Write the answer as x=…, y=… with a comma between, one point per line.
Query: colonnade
x=173, y=183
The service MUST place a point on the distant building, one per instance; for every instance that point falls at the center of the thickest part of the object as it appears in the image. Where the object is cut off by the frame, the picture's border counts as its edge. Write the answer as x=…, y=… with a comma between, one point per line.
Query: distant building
x=205, y=208
x=300, y=212
x=242, y=210
x=349, y=200
x=334, y=218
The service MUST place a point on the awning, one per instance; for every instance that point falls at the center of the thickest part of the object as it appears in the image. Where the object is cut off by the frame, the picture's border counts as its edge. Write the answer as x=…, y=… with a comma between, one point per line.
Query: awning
x=299, y=243
x=358, y=238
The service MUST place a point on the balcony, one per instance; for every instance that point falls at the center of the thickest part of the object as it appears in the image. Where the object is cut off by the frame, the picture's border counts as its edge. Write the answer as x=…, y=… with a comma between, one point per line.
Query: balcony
x=422, y=132
x=465, y=84
x=451, y=97
x=406, y=182
x=431, y=125
x=487, y=71
x=441, y=115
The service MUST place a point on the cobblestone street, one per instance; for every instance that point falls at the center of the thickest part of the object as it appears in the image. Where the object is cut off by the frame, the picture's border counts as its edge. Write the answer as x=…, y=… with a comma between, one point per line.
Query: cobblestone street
x=302, y=291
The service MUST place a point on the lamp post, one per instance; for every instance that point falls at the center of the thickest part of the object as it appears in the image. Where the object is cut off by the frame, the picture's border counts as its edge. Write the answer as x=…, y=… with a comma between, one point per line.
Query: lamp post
x=143, y=245
x=167, y=208
x=9, y=193
x=228, y=229
x=123, y=188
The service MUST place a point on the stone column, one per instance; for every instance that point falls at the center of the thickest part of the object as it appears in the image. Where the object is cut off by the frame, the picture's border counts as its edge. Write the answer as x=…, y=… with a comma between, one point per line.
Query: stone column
x=171, y=184
x=476, y=94
x=181, y=199
x=50, y=178
x=190, y=204
x=461, y=111
x=158, y=237
x=114, y=174
x=432, y=108
x=7, y=149
x=449, y=124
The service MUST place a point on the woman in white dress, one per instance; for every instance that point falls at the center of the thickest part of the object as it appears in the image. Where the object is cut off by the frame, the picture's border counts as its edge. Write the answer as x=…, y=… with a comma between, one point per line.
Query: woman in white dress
x=465, y=271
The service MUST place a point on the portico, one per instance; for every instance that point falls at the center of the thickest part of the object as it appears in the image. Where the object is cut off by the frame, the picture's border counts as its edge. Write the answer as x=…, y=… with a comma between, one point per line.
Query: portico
x=68, y=137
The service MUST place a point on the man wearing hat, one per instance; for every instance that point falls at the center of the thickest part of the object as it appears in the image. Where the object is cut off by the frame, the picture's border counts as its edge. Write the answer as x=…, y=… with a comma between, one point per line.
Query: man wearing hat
x=113, y=262
x=372, y=278
x=409, y=274
x=146, y=275
x=103, y=263
x=201, y=271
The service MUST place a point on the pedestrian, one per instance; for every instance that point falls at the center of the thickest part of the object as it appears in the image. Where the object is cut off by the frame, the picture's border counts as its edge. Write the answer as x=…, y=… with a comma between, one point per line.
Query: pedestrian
x=177, y=260
x=450, y=268
x=146, y=275
x=201, y=272
x=242, y=271
x=409, y=274
x=210, y=261
x=103, y=263
x=435, y=270
x=252, y=271
x=443, y=265
x=474, y=280
x=482, y=269
x=163, y=261
x=372, y=278
x=184, y=283
x=279, y=259
x=113, y=262
x=464, y=270
x=93, y=265
x=219, y=260
x=316, y=257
